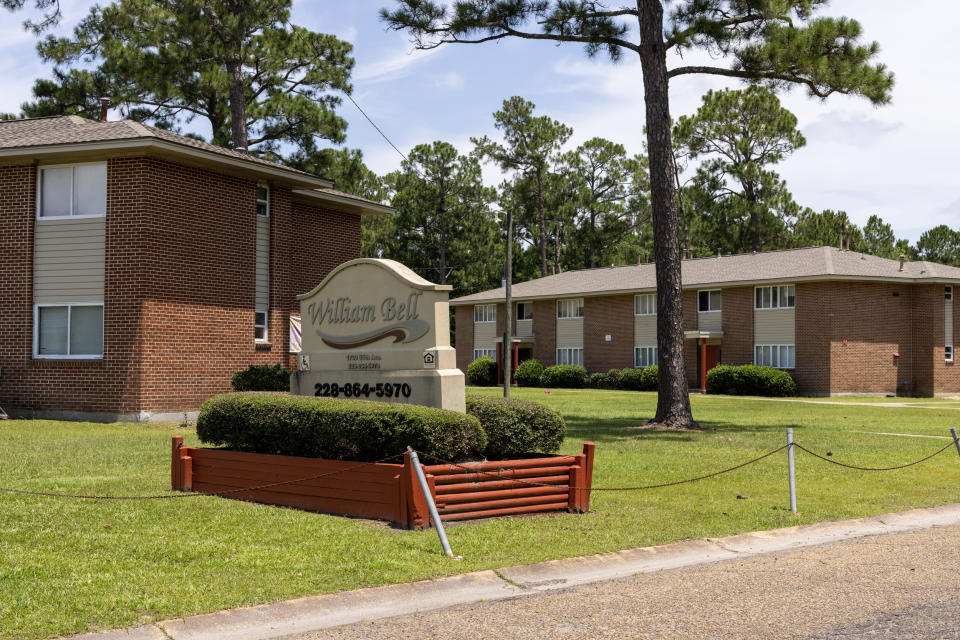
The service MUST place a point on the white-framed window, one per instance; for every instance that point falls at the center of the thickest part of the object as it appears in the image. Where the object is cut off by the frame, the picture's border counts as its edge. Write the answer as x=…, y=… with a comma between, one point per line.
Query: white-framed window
x=263, y=200
x=570, y=355
x=778, y=356
x=485, y=313
x=775, y=297
x=570, y=308
x=524, y=311
x=644, y=357
x=260, y=326
x=645, y=304
x=948, y=293
x=72, y=191
x=948, y=353
x=711, y=300
x=68, y=330
x=485, y=353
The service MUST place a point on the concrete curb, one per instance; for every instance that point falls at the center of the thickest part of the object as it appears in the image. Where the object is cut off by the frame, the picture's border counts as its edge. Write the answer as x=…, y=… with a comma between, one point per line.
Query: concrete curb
x=283, y=619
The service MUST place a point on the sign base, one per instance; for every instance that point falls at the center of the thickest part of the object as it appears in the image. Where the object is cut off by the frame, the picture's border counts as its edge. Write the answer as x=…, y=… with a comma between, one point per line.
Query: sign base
x=441, y=388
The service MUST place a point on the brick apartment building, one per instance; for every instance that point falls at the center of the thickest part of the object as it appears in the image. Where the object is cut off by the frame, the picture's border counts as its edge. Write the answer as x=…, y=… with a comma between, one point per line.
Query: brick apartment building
x=841, y=322
x=141, y=268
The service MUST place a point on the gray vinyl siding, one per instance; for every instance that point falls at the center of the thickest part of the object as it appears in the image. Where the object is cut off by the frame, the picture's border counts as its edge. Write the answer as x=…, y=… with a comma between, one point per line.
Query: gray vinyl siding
x=68, y=260
x=774, y=326
x=644, y=331
x=484, y=335
x=570, y=333
x=524, y=328
x=263, y=264
x=710, y=320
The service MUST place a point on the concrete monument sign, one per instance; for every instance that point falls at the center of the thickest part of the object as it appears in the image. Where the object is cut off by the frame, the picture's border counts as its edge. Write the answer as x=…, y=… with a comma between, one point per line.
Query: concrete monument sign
x=375, y=330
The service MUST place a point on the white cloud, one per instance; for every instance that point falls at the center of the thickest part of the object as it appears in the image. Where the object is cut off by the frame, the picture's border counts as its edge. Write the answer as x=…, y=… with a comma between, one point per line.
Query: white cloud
x=391, y=67
x=451, y=81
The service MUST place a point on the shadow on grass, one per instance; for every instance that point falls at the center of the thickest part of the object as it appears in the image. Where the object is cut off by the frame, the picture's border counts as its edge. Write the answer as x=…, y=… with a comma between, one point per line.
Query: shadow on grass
x=619, y=429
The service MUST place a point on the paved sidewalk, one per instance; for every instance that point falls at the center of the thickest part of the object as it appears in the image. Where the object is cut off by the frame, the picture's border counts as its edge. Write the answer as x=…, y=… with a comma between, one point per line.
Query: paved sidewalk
x=556, y=578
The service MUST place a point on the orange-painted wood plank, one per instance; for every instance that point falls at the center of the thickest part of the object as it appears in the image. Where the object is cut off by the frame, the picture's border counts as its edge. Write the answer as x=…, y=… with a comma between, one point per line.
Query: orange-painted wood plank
x=470, y=515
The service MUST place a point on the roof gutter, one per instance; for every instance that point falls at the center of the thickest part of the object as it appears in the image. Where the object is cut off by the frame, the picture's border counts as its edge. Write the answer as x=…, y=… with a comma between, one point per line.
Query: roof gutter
x=295, y=178
x=466, y=300
x=365, y=207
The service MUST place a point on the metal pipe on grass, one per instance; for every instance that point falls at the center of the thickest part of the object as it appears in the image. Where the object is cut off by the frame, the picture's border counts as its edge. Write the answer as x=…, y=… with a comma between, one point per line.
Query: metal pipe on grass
x=953, y=432
x=431, y=506
x=792, y=473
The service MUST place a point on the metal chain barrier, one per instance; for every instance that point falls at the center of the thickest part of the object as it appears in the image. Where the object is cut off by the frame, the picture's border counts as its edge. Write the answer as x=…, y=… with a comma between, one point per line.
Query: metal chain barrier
x=500, y=476
x=851, y=466
x=172, y=496
x=491, y=474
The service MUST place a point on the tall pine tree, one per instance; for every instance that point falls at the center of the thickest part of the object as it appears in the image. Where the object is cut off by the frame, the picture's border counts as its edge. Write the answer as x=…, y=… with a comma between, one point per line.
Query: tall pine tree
x=258, y=81
x=774, y=42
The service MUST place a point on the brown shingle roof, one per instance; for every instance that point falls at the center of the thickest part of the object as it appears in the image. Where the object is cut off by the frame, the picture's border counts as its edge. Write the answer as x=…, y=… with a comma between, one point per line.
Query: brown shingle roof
x=814, y=263
x=63, y=130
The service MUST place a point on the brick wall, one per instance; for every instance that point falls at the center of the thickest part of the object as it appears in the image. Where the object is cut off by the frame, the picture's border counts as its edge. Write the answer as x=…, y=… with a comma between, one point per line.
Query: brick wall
x=814, y=319
x=198, y=317
x=321, y=240
x=869, y=324
x=690, y=346
x=603, y=315
x=934, y=376
x=463, y=322
x=947, y=374
x=848, y=335
x=179, y=292
x=737, y=318
x=545, y=331
x=107, y=385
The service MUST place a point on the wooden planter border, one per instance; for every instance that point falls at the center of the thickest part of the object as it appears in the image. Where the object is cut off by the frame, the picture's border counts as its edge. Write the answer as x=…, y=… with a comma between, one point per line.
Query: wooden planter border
x=385, y=491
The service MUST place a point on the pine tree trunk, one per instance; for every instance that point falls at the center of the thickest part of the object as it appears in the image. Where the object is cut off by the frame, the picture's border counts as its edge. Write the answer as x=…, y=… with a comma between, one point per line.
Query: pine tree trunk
x=593, y=239
x=442, y=212
x=234, y=64
x=508, y=320
x=751, y=194
x=673, y=401
x=556, y=246
x=238, y=104
x=543, y=224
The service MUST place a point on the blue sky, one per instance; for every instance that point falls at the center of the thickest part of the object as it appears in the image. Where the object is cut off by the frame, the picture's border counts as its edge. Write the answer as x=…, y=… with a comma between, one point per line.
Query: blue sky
x=897, y=161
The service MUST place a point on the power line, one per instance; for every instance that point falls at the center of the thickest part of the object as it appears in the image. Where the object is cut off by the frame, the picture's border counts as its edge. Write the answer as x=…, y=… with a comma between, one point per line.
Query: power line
x=317, y=55
x=374, y=125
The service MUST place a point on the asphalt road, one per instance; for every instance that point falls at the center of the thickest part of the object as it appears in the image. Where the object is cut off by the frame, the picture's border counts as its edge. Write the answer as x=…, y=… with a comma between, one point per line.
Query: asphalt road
x=892, y=587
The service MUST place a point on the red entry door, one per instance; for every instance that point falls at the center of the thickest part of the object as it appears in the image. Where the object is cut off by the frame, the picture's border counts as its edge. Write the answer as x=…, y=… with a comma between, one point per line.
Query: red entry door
x=709, y=357
x=713, y=357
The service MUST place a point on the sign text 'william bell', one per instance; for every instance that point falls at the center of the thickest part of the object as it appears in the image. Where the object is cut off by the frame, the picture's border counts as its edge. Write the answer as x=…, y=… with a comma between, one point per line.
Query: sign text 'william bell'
x=342, y=310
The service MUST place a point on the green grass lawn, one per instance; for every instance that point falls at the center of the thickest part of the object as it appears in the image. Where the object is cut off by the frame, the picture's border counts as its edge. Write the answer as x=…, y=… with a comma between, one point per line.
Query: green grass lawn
x=72, y=566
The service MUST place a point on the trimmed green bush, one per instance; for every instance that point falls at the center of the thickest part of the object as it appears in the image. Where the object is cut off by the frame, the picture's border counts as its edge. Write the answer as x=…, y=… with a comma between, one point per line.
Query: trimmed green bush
x=650, y=378
x=261, y=378
x=517, y=427
x=528, y=373
x=723, y=378
x=482, y=372
x=750, y=380
x=631, y=379
x=608, y=380
x=564, y=376
x=336, y=429
x=613, y=378
x=599, y=381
